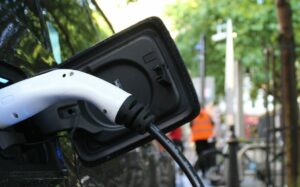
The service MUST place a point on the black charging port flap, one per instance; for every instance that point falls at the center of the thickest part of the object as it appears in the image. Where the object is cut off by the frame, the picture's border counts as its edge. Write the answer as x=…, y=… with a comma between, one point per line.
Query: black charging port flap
x=144, y=61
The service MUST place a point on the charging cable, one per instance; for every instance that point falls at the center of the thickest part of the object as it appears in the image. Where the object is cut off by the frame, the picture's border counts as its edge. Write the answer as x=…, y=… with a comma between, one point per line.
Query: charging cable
x=26, y=98
x=138, y=118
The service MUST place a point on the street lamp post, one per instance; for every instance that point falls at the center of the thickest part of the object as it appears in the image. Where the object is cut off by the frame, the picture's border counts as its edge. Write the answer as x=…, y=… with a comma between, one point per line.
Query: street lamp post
x=200, y=47
x=233, y=93
x=233, y=174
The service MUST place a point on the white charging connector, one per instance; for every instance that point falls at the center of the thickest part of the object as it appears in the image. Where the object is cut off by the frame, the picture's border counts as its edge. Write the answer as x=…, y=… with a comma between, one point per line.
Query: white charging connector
x=26, y=98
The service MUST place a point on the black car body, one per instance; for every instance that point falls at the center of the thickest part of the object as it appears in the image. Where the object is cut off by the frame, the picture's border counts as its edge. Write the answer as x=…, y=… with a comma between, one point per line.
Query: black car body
x=35, y=36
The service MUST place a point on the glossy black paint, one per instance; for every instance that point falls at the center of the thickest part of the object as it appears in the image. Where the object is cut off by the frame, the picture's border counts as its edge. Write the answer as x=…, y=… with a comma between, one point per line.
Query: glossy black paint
x=36, y=35
x=26, y=28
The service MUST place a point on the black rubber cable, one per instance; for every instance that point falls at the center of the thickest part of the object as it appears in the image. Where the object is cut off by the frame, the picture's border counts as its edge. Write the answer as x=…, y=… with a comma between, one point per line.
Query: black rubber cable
x=137, y=117
x=184, y=164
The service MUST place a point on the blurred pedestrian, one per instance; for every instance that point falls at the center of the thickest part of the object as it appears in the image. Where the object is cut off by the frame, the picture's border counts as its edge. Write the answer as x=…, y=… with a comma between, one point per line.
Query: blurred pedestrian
x=202, y=131
x=176, y=137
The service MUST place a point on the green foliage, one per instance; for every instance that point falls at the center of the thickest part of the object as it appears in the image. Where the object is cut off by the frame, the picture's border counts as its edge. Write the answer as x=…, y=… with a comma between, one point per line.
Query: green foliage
x=131, y=1
x=76, y=32
x=77, y=24
x=255, y=24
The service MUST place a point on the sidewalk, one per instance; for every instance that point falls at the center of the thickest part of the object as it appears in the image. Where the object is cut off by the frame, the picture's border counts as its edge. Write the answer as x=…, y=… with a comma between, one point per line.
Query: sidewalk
x=183, y=181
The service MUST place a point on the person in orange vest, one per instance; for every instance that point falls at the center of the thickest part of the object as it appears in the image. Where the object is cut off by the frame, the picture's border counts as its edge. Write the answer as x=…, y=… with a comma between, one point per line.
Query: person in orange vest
x=202, y=129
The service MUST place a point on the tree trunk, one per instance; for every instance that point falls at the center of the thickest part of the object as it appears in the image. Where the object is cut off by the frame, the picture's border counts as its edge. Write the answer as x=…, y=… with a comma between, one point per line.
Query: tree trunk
x=288, y=90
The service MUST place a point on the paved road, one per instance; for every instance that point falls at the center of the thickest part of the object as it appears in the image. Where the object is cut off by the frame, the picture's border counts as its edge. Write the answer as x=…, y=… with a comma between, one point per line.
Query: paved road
x=182, y=181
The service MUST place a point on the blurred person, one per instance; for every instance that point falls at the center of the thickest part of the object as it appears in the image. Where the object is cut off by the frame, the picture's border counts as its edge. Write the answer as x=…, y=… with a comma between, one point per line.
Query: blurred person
x=202, y=130
x=176, y=137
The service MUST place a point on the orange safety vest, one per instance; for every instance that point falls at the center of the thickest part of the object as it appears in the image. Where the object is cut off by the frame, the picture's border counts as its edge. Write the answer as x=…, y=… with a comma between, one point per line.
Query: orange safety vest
x=202, y=127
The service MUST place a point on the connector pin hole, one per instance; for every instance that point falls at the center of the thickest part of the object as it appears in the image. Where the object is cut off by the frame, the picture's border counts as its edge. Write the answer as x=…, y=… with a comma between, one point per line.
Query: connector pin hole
x=72, y=73
x=64, y=75
x=15, y=115
x=72, y=111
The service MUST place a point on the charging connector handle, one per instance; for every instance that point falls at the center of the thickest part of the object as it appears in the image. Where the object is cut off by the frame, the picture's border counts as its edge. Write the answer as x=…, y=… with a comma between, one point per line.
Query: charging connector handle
x=26, y=98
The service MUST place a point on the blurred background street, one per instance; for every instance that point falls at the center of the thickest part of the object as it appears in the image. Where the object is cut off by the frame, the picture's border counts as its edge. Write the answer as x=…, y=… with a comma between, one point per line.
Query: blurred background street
x=243, y=60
